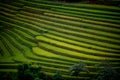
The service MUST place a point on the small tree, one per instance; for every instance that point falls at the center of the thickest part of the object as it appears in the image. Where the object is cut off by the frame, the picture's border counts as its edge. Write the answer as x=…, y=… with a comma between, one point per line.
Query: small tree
x=27, y=71
x=43, y=32
x=77, y=68
x=106, y=72
x=20, y=73
x=28, y=75
x=2, y=28
x=57, y=76
x=36, y=70
x=42, y=75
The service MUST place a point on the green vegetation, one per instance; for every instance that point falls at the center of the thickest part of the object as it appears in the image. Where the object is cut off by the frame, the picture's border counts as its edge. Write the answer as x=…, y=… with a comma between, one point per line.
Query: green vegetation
x=107, y=73
x=54, y=36
x=77, y=68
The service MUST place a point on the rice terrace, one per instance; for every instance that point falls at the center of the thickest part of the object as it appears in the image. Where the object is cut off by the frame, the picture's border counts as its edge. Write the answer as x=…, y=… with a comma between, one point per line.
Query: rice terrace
x=59, y=40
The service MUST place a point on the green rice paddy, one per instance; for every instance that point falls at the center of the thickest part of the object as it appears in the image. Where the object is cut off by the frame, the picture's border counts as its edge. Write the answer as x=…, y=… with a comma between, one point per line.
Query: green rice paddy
x=76, y=32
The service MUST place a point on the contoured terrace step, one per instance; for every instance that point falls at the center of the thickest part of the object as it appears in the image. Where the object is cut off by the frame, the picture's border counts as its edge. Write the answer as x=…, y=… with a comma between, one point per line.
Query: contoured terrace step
x=65, y=31
x=65, y=26
x=96, y=6
x=56, y=51
x=21, y=40
x=48, y=68
x=7, y=6
x=82, y=11
x=23, y=30
x=73, y=14
x=71, y=23
x=64, y=13
x=93, y=19
x=40, y=51
x=61, y=51
x=16, y=3
x=30, y=39
x=80, y=19
x=12, y=20
x=42, y=12
x=76, y=9
x=1, y=52
x=14, y=66
x=80, y=44
x=4, y=52
x=38, y=57
x=18, y=23
x=9, y=66
x=77, y=5
x=45, y=68
x=17, y=46
x=67, y=59
x=38, y=5
x=74, y=35
x=74, y=38
x=61, y=66
x=77, y=48
x=25, y=51
x=8, y=10
x=7, y=46
x=24, y=35
x=44, y=25
x=70, y=13
x=103, y=28
x=8, y=70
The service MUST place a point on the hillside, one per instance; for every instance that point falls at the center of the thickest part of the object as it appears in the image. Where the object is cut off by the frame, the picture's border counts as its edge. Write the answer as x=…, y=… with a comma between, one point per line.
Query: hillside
x=57, y=35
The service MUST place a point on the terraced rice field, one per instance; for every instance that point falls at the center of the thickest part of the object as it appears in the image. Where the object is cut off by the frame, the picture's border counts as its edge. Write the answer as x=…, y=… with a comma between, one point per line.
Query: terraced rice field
x=76, y=32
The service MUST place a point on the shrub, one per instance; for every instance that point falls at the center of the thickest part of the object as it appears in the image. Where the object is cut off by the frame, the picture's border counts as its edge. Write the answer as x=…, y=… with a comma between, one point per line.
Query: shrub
x=30, y=72
x=57, y=76
x=2, y=28
x=77, y=68
x=106, y=72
